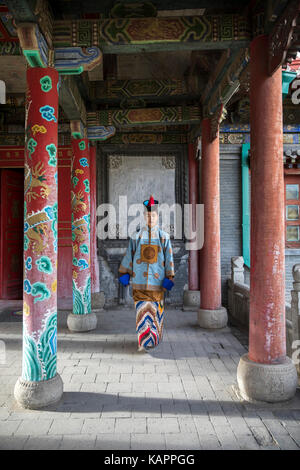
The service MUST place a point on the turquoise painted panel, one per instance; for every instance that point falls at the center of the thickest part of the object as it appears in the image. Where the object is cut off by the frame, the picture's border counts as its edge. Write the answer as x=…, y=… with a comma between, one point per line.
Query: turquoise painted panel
x=246, y=204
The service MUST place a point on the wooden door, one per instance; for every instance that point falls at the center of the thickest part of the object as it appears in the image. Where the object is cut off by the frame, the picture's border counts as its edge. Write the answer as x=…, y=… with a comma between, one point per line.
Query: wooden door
x=11, y=234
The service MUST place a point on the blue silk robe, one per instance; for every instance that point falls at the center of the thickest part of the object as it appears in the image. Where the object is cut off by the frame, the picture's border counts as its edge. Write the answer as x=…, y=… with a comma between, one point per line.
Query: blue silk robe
x=148, y=259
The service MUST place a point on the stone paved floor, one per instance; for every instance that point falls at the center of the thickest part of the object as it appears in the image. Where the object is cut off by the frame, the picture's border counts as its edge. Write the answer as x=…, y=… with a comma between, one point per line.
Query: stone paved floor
x=180, y=396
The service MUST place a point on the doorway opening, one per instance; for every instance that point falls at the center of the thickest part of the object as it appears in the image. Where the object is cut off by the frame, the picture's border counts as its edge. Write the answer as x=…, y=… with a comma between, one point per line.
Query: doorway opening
x=11, y=233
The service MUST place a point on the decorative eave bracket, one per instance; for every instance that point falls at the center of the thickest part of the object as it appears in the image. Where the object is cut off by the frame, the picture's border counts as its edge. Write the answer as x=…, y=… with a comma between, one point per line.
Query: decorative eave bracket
x=75, y=60
x=226, y=84
x=66, y=60
x=282, y=36
x=101, y=133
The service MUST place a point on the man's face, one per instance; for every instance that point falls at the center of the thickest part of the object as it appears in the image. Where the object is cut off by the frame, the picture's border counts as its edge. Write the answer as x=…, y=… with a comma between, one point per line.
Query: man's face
x=151, y=218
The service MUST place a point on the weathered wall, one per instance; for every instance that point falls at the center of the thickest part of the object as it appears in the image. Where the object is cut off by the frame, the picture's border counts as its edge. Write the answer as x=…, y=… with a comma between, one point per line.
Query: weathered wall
x=292, y=256
x=153, y=173
x=231, y=218
x=230, y=210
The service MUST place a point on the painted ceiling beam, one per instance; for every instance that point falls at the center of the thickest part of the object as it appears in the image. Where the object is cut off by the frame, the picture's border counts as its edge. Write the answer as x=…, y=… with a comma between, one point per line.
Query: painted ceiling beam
x=74, y=109
x=9, y=48
x=127, y=35
x=110, y=90
x=66, y=60
x=143, y=116
x=148, y=138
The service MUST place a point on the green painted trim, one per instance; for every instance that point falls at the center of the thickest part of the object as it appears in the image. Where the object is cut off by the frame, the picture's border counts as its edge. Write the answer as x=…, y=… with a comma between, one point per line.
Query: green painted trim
x=77, y=135
x=75, y=71
x=246, y=204
x=33, y=58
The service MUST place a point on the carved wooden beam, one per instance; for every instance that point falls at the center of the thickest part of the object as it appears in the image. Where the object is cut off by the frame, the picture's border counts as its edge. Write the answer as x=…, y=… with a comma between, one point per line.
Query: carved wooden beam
x=283, y=36
x=134, y=117
x=216, y=120
x=35, y=38
x=123, y=35
x=67, y=61
x=225, y=81
x=34, y=11
x=34, y=46
x=78, y=131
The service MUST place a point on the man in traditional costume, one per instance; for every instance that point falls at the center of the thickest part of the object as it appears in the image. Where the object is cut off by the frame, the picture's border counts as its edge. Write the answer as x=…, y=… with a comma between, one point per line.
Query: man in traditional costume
x=149, y=261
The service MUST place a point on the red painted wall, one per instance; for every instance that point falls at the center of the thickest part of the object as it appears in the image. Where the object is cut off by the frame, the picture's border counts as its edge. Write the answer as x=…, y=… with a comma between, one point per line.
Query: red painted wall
x=11, y=233
x=13, y=157
x=64, y=272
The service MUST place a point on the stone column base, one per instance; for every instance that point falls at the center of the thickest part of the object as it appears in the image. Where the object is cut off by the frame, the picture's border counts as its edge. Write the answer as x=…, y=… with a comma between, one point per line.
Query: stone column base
x=34, y=395
x=79, y=323
x=191, y=300
x=212, y=318
x=266, y=382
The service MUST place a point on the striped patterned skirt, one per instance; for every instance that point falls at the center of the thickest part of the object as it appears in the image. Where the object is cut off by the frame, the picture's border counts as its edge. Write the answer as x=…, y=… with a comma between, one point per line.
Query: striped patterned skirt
x=149, y=323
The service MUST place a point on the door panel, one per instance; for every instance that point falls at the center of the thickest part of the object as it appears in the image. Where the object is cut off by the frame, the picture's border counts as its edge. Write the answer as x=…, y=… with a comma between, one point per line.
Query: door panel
x=64, y=270
x=11, y=234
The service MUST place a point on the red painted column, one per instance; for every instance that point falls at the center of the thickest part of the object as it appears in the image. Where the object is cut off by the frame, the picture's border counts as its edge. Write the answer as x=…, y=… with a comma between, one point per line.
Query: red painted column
x=40, y=219
x=210, y=191
x=266, y=373
x=193, y=200
x=82, y=318
x=80, y=200
x=94, y=258
x=40, y=384
x=267, y=343
x=211, y=313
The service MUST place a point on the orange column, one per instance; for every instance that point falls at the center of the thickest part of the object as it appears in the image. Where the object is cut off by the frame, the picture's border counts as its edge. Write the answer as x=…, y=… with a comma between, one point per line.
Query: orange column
x=211, y=313
x=266, y=374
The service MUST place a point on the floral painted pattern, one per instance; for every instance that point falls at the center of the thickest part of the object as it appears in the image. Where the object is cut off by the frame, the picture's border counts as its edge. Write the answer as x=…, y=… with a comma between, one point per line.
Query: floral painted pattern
x=40, y=226
x=81, y=227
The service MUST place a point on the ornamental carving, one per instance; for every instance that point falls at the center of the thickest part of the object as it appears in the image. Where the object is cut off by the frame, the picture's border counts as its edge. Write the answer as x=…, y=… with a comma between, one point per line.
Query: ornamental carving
x=114, y=162
x=169, y=162
x=281, y=37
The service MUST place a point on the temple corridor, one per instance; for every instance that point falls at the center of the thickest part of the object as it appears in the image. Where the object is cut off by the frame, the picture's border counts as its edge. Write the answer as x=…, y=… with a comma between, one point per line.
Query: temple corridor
x=149, y=183
x=180, y=396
